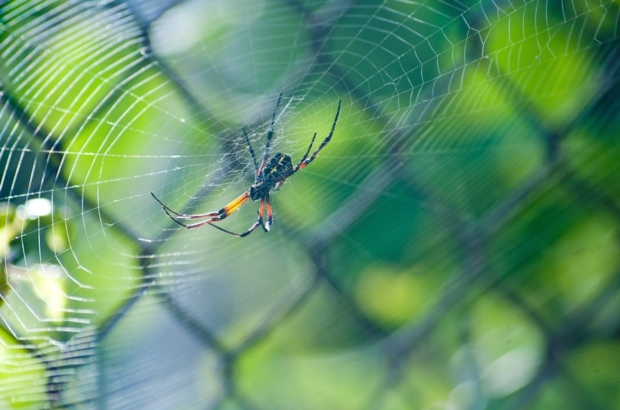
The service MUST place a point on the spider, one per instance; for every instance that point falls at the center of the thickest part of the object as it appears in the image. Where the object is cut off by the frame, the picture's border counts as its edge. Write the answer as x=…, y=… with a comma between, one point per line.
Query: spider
x=268, y=177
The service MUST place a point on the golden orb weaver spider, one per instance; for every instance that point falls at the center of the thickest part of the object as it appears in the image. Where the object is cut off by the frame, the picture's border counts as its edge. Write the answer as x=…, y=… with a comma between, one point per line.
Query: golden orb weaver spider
x=268, y=177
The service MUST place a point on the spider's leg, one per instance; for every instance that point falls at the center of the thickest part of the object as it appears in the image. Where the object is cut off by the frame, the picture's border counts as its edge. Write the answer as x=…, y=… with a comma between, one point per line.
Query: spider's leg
x=258, y=222
x=269, y=136
x=306, y=154
x=247, y=139
x=225, y=230
x=261, y=213
x=269, y=214
x=194, y=225
x=324, y=143
x=183, y=216
x=249, y=231
x=231, y=207
x=207, y=222
x=213, y=216
x=210, y=223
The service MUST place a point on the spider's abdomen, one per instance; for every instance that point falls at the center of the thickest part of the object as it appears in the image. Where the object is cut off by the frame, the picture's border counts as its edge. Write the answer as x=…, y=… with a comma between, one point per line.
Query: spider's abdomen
x=278, y=168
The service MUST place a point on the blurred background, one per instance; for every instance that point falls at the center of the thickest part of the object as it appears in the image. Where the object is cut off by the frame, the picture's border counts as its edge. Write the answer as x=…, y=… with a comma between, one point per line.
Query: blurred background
x=455, y=246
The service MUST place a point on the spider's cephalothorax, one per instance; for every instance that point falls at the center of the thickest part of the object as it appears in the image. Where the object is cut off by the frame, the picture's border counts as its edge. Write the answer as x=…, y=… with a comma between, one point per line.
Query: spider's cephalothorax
x=277, y=170
x=268, y=177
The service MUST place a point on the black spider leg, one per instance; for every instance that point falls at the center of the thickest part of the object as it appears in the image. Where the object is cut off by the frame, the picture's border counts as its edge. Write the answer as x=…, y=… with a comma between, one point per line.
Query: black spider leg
x=269, y=214
x=251, y=229
x=210, y=222
x=306, y=154
x=207, y=222
x=213, y=216
x=183, y=216
x=227, y=231
x=270, y=135
x=258, y=222
x=305, y=162
x=247, y=139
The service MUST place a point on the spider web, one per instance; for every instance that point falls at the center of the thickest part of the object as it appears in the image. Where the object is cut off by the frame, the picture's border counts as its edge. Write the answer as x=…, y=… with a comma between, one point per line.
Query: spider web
x=454, y=246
